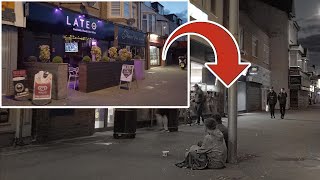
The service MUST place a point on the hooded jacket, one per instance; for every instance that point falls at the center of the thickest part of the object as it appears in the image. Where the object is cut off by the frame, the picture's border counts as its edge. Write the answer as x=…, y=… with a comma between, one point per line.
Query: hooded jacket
x=215, y=148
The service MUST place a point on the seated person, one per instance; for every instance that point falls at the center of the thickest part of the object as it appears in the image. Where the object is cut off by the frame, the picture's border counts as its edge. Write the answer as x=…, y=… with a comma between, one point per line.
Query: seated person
x=221, y=127
x=211, y=153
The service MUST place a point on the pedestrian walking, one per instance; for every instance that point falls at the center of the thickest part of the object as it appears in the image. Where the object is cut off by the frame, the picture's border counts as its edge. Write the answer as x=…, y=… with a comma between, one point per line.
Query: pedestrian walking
x=162, y=119
x=272, y=101
x=199, y=100
x=282, y=97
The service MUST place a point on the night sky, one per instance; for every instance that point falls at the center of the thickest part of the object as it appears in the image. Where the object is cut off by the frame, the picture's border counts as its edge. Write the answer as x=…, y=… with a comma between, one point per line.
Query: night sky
x=180, y=8
x=308, y=18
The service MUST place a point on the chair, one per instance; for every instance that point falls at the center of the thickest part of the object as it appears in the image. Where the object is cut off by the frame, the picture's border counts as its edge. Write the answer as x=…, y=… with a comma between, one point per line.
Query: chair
x=73, y=73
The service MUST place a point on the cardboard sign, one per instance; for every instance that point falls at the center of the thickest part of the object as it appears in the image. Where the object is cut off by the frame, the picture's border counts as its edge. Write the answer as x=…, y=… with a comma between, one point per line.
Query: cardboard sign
x=19, y=82
x=42, y=86
x=127, y=73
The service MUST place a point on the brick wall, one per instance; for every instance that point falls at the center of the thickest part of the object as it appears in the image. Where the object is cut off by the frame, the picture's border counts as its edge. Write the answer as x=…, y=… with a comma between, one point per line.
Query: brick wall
x=55, y=124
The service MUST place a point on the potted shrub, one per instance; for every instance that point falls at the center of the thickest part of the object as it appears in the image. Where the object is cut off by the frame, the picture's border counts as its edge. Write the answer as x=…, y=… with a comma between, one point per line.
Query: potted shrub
x=106, y=59
x=44, y=53
x=56, y=67
x=96, y=53
x=86, y=59
x=125, y=55
x=113, y=53
x=57, y=59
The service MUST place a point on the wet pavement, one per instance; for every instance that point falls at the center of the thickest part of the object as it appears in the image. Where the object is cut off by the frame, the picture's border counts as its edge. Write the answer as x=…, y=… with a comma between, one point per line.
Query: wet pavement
x=272, y=149
x=162, y=86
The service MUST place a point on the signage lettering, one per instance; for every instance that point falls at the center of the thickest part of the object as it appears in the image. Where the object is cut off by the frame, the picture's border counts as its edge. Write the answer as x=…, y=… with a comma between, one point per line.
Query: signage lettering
x=82, y=26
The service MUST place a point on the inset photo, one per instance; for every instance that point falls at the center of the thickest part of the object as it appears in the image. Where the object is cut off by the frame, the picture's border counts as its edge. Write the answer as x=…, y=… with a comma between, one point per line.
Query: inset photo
x=93, y=54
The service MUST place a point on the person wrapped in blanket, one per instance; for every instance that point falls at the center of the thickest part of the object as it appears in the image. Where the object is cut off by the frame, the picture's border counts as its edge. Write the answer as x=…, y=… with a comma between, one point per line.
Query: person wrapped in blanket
x=210, y=153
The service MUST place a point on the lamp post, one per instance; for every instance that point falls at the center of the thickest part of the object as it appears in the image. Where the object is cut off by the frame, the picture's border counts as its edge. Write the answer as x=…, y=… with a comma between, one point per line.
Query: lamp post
x=232, y=91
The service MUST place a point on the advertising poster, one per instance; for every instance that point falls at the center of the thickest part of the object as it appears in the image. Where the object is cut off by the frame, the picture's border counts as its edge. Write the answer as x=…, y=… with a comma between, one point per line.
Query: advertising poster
x=42, y=86
x=19, y=78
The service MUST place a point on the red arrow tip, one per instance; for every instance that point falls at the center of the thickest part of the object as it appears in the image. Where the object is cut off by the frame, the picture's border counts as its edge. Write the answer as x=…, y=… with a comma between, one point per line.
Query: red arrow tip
x=227, y=74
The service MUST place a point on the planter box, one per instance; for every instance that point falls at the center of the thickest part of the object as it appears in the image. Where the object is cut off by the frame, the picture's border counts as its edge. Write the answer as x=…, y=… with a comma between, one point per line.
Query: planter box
x=59, y=72
x=95, y=76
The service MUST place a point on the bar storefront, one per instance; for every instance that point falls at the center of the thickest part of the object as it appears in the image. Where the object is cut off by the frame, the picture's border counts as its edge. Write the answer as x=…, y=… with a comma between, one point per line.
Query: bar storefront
x=73, y=36
x=68, y=34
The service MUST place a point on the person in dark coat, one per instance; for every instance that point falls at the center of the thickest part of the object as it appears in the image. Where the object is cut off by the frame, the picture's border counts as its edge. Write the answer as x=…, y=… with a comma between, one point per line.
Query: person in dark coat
x=199, y=100
x=272, y=101
x=282, y=97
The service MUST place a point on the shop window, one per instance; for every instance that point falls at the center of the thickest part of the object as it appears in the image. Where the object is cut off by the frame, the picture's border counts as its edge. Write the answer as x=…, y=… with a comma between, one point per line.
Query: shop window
x=4, y=116
x=154, y=56
x=115, y=9
x=254, y=46
x=126, y=6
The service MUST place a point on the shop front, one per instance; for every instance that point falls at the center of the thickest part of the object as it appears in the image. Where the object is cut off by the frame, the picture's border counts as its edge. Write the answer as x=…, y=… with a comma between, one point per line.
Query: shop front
x=68, y=34
x=133, y=40
x=155, y=45
x=253, y=89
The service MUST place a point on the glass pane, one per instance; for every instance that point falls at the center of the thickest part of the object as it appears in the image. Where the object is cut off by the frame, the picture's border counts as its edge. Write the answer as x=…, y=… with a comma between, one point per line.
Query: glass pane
x=154, y=56
x=126, y=9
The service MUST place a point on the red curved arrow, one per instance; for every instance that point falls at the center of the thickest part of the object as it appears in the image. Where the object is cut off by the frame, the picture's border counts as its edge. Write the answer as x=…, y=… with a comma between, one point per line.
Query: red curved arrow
x=228, y=66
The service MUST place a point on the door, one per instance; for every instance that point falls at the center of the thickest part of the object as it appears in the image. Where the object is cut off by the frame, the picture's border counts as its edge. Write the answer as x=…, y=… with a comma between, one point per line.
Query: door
x=253, y=96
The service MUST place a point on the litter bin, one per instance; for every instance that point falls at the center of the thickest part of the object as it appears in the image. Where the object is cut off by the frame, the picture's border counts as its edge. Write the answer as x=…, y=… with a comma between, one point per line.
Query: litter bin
x=125, y=123
x=173, y=122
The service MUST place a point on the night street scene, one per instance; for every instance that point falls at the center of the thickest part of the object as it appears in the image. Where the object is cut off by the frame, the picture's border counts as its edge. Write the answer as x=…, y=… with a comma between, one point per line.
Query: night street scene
x=265, y=126
x=93, y=54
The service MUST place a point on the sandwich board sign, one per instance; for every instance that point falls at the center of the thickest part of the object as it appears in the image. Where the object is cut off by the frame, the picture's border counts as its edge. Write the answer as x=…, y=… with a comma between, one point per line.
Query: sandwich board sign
x=127, y=75
x=42, y=88
x=19, y=77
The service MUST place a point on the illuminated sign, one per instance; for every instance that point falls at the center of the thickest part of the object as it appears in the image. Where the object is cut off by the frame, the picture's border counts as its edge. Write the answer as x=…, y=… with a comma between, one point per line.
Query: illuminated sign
x=82, y=25
x=253, y=70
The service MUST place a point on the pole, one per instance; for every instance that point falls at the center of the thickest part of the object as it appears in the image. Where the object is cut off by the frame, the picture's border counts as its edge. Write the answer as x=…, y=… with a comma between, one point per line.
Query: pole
x=232, y=91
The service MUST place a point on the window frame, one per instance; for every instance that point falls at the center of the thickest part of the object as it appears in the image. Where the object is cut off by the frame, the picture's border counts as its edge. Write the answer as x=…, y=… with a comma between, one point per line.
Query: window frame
x=112, y=8
x=126, y=14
